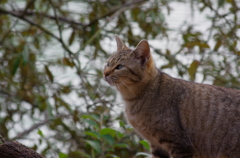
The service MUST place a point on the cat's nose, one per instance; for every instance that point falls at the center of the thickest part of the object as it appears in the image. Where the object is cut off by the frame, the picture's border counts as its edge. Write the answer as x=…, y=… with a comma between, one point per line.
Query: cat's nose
x=106, y=74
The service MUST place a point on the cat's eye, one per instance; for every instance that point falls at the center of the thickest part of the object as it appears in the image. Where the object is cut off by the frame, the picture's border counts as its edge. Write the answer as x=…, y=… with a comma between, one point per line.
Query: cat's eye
x=119, y=67
x=108, y=65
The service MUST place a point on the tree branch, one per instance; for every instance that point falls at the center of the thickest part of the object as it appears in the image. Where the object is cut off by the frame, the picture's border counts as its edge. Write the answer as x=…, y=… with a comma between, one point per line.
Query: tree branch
x=73, y=23
x=33, y=13
x=35, y=126
x=36, y=25
x=20, y=135
x=217, y=13
x=128, y=4
x=2, y=139
x=17, y=150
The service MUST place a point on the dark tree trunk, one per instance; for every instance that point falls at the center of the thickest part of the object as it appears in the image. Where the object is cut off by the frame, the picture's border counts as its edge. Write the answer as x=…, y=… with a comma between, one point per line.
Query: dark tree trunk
x=17, y=150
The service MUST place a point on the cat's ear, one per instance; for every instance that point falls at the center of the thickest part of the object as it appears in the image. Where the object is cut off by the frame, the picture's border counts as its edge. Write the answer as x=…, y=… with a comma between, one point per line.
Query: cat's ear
x=142, y=51
x=120, y=45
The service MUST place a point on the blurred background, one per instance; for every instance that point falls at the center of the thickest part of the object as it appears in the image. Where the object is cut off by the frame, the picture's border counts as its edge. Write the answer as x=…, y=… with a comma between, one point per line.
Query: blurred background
x=53, y=98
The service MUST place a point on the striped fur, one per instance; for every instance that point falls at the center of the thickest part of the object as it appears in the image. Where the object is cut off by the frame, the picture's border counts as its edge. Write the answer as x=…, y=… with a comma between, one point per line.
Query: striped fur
x=179, y=119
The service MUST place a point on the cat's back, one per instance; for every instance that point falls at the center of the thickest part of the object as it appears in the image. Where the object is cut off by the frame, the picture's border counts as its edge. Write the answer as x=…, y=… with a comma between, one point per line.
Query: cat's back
x=210, y=115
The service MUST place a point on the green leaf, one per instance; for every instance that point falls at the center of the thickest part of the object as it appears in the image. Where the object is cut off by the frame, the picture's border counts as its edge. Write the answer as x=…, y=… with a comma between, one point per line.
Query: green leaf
x=108, y=138
x=119, y=134
x=203, y=45
x=145, y=144
x=62, y=155
x=93, y=134
x=121, y=145
x=121, y=123
x=49, y=74
x=109, y=131
x=91, y=116
x=112, y=155
x=50, y=110
x=91, y=123
x=217, y=45
x=16, y=63
x=40, y=133
x=192, y=69
x=220, y=3
x=71, y=38
x=3, y=1
x=67, y=62
x=84, y=154
x=143, y=154
x=25, y=55
x=95, y=145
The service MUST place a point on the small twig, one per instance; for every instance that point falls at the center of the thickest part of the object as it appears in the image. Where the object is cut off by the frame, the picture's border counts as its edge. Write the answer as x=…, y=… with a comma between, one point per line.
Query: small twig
x=2, y=139
x=29, y=4
x=216, y=12
x=60, y=39
x=8, y=31
x=57, y=22
x=35, y=126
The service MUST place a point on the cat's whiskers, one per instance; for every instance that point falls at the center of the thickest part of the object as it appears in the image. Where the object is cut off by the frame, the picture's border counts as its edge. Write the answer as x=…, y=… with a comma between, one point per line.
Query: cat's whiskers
x=117, y=86
x=128, y=88
x=127, y=82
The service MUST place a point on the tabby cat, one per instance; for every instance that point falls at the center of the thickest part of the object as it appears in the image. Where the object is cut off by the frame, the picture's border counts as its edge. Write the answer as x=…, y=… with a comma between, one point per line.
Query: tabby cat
x=179, y=119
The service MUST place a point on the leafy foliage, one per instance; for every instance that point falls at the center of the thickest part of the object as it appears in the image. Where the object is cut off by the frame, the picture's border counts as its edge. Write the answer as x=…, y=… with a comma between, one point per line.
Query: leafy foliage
x=51, y=58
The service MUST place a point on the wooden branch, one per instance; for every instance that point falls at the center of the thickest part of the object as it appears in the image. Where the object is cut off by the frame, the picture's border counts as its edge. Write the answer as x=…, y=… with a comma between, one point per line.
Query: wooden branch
x=17, y=150
x=18, y=13
x=115, y=9
x=35, y=126
x=209, y=5
x=28, y=21
x=36, y=25
x=61, y=18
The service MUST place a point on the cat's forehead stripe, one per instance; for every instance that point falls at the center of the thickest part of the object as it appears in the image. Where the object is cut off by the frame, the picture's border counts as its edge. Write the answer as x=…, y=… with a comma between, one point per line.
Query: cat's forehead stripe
x=111, y=59
x=119, y=56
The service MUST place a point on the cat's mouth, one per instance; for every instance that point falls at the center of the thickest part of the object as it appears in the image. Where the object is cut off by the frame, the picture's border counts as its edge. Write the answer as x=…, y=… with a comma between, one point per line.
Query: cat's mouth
x=111, y=80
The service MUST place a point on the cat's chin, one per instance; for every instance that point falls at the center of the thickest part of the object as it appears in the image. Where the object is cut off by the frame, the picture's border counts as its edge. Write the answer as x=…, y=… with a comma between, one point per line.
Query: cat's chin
x=110, y=82
x=114, y=84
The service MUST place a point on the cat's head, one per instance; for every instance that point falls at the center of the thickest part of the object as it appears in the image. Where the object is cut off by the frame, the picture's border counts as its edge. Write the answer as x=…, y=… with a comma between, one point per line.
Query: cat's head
x=129, y=67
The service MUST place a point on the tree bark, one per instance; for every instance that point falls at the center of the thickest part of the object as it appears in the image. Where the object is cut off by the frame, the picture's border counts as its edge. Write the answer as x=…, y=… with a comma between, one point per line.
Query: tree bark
x=17, y=150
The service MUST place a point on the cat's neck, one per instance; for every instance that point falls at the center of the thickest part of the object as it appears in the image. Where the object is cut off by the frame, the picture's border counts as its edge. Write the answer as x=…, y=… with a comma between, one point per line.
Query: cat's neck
x=134, y=91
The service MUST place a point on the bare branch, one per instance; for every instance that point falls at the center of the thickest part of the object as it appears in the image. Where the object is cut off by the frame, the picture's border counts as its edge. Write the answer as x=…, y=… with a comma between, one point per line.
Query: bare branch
x=71, y=22
x=28, y=21
x=35, y=126
x=36, y=25
x=217, y=13
x=20, y=135
x=2, y=139
x=128, y=4
x=8, y=31
x=29, y=4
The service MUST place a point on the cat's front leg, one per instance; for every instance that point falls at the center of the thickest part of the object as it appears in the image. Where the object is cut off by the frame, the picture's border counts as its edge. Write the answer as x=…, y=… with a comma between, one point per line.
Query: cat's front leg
x=158, y=152
x=182, y=151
